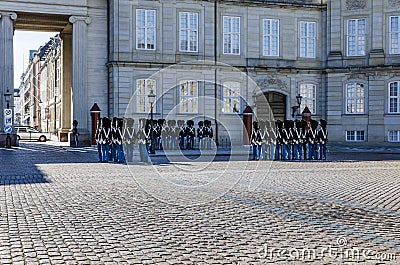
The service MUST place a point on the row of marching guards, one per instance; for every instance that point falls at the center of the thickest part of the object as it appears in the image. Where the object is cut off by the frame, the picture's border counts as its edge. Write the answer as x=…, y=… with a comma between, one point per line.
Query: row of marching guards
x=289, y=140
x=116, y=137
x=282, y=140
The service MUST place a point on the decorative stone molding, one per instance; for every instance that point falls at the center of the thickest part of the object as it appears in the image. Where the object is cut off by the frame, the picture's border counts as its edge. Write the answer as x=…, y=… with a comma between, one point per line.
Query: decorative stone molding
x=74, y=19
x=272, y=81
x=354, y=76
x=12, y=15
x=394, y=3
x=356, y=4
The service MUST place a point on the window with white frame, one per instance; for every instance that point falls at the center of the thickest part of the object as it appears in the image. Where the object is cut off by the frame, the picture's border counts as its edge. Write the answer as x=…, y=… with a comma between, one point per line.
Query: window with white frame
x=231, y=33
x=145, y=29
x=188, y=94
x=355, y=98
x=355, y=136
x=394, y=97
x=188, y=31
x=307, y=39
x=271, y=37
x=143, y=88
x=231, y=97
x=356, y=37
x=394, y=136
x=394, y=34
x=308, y=92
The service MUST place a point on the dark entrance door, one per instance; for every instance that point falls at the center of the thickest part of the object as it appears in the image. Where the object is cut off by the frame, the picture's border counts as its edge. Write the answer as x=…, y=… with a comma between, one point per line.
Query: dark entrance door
x=277, y=103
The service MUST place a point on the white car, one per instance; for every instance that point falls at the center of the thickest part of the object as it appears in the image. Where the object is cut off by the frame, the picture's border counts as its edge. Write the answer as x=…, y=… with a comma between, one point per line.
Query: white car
x=29, y=133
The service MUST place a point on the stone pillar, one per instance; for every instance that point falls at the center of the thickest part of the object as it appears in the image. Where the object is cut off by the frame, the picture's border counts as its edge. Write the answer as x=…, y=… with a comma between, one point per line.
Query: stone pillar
x=377, y=54
x=6, y=59
x=66, y=112
x=80, y=108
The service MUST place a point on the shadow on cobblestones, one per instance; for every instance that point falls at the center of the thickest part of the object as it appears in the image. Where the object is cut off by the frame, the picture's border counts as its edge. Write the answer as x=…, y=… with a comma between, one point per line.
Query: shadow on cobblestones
x=20, y=165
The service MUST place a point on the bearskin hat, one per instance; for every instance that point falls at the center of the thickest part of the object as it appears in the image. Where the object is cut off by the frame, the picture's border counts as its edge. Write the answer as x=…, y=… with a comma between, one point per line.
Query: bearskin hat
x=106, y=122
x=262, y=124
x=181, y=123
x=314, y=124
x=279, y=124
x=323, y=123
x=255, y=125
x=128, y=122
x=200, y=123
x=190, y=123
x=298, y=124
x=303, y=124
x=171, y=123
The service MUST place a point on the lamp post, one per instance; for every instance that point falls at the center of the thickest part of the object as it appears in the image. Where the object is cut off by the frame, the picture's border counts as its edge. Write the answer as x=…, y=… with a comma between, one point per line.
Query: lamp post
x=152, y=98
x=7, y=97
x=298, y=101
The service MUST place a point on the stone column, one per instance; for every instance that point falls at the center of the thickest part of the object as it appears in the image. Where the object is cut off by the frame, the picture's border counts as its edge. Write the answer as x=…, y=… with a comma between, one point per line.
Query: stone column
x=80, y=108
x=6, y=58
x=376, y=36
x=66, y=100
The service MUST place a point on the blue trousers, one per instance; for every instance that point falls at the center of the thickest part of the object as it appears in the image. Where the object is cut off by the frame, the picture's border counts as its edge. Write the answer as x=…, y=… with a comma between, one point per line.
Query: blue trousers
x=128, y=148
x=143, y=152
x=312, y=152
x=286, y=152
x=264, y=152
x=181, y=142
x=99, y=152
x=277, y=151
x=190, y=142
x=256, y=151
x=120, y=153
x=297, y=151
x=322, y=151
x=105, y=149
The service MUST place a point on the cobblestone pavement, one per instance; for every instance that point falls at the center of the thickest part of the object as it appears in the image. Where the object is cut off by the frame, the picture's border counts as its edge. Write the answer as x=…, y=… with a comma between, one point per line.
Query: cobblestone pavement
x=59, y=207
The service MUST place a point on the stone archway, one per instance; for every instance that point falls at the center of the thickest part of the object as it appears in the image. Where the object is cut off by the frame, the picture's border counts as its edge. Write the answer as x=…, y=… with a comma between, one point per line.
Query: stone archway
x=84, y=40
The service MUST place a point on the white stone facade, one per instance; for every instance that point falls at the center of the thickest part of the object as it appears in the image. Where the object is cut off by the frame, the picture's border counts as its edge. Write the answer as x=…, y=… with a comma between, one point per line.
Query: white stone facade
x=324, y=48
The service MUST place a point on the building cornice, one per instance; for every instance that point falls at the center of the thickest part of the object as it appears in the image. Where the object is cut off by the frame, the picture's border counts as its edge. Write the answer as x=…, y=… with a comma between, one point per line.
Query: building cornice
x=320, y=4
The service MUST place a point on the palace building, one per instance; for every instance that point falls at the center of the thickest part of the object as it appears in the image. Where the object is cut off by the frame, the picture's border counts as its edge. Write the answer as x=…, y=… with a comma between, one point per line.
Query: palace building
x=216, y=58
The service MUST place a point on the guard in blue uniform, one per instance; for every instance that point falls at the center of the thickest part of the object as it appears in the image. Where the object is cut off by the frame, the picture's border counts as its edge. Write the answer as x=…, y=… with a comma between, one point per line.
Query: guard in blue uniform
x=174, y=132
x=128, y=140
x=190, y=134
x=208, y=134
x=256, y=140
x=200, y=134
x=182, y=134
x=297, y=140
x=312, y=140
x=120, y=157
x=105, y=139
x=143, y=138
x=97, y=138
x=278, y=141
x=323, y=139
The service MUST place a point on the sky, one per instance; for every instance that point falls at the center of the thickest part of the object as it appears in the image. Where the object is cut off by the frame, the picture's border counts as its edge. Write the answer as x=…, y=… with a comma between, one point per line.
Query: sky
x=23, y=42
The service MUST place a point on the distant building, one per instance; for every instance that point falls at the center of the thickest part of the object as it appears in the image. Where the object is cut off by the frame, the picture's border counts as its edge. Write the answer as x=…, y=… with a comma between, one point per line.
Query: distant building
x=40, y=85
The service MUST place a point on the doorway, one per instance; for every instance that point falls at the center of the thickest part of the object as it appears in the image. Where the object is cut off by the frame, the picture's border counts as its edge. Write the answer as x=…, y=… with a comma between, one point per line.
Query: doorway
x=277, y=105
